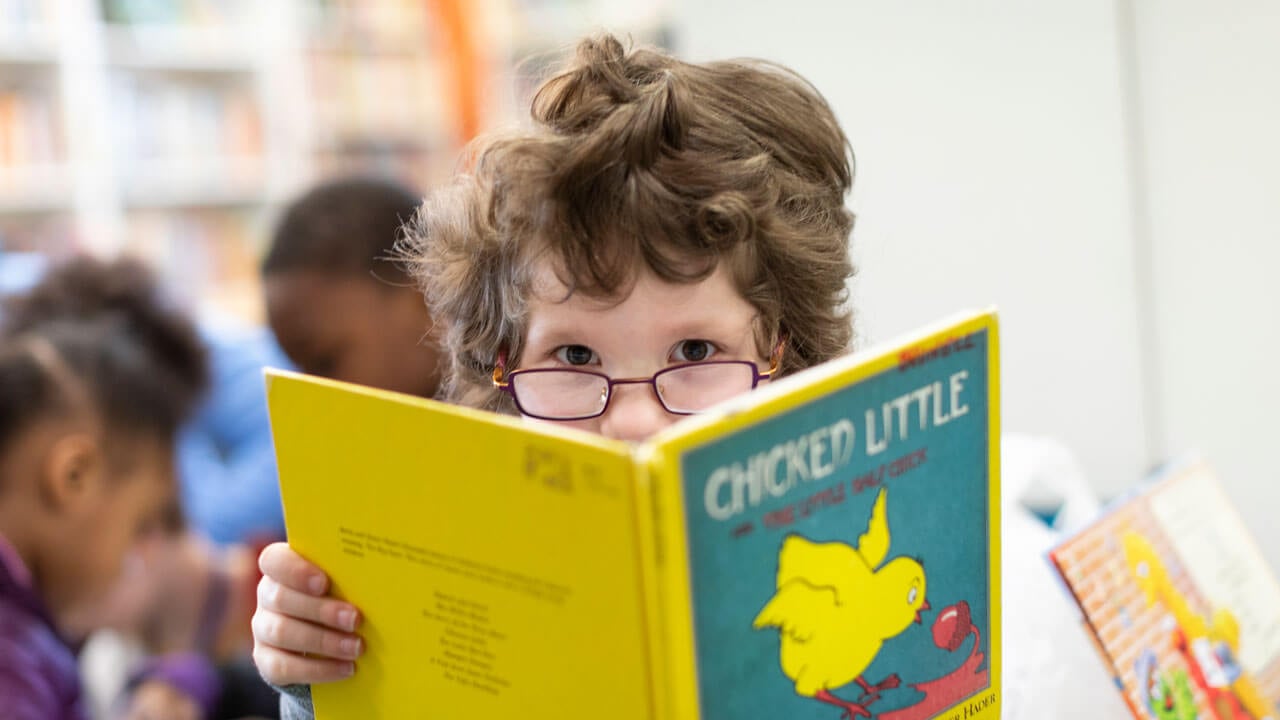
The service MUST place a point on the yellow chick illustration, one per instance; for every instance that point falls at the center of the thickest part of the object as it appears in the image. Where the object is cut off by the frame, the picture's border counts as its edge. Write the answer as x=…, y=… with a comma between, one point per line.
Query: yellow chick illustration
x=836, y=605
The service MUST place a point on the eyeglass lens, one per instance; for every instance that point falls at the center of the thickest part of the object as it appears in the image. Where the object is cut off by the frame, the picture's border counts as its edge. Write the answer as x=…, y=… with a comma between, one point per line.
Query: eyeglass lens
x=560, y=394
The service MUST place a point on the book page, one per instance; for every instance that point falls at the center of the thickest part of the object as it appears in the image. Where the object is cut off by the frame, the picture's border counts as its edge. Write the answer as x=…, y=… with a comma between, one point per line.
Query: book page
x=496, y=566
x=1223, y=561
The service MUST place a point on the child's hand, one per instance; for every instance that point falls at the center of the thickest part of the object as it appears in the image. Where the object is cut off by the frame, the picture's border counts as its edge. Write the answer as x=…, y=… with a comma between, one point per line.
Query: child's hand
x=299, y=634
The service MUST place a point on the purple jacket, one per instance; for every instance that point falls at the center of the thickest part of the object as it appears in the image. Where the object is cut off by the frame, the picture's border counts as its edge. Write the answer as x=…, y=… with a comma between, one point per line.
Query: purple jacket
x=39, y=679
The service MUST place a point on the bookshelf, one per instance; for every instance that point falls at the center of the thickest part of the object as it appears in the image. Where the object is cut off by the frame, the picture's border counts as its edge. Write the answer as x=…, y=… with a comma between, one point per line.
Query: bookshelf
x=176, y=129
x=159, y=128
x=34, y=173
x=373, y=73
x=198, y=156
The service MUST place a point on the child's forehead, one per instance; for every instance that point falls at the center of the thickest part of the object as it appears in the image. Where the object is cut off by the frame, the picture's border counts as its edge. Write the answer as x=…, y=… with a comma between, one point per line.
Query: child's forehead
x=649, y=306
x=549, y=287
x=551, y=284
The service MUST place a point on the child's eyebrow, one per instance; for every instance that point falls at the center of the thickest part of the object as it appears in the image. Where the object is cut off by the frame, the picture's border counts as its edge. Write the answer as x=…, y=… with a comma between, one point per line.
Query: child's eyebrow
x=553, y=333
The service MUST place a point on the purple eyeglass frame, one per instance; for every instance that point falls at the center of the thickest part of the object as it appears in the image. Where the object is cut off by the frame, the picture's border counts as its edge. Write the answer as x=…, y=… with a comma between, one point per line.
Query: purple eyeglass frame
x=502, y=381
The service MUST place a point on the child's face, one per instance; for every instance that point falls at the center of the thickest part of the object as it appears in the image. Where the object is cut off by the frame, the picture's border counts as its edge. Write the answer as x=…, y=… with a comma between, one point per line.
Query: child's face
x=354, y=329
x=658, y=325
x=105, y=522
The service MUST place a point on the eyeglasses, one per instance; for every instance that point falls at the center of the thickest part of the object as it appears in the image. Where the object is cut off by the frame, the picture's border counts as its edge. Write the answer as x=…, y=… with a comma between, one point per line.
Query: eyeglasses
x=572, y=394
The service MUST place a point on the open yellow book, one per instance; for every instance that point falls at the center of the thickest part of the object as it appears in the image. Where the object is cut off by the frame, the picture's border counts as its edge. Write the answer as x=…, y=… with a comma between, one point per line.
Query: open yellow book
x=825, y=546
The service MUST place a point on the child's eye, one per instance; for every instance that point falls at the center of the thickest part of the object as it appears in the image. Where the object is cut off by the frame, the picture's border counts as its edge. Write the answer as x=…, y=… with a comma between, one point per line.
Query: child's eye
x=575, y=355
x=693, y=351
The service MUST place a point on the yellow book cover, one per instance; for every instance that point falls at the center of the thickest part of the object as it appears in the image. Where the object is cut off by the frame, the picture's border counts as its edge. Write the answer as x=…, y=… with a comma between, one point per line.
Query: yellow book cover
x=823, y=547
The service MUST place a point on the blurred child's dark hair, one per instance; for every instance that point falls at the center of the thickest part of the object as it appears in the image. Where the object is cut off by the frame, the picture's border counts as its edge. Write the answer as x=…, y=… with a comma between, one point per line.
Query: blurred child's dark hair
x=98, y=335
x=344, y=226
x=637, y=159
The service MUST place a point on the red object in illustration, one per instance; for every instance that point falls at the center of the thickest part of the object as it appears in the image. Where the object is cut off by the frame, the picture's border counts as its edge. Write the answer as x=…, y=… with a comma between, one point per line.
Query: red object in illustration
x=1213, y=677
x=950, y=629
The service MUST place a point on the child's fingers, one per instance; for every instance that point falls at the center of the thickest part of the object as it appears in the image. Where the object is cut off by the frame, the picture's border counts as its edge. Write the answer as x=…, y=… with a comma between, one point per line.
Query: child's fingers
x=281, y=668
x=287, y=633
x=277, y=598
x=279, y=562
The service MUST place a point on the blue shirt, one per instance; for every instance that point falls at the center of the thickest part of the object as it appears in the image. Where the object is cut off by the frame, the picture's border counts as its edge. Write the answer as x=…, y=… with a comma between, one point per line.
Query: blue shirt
x=230, y=490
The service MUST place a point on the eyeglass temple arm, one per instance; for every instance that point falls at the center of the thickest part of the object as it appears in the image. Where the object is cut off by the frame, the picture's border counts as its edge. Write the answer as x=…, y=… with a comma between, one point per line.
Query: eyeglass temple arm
x=775, y=362
x=500, y=371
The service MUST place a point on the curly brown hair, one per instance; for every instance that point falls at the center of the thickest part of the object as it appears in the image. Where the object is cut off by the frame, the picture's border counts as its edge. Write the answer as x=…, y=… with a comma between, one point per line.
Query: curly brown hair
x=637, y=157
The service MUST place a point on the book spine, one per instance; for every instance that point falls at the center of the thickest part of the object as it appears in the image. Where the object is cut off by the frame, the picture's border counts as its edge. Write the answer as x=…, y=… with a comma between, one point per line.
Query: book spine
x=652, y=553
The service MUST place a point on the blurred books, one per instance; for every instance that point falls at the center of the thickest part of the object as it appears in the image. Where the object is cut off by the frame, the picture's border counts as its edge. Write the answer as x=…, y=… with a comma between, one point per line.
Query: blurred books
x=177, y=129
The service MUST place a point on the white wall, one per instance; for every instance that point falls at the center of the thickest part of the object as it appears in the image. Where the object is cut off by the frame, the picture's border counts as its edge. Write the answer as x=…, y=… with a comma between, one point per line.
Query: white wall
x=1210, y=111
x=992, y=168
x=1107, y=171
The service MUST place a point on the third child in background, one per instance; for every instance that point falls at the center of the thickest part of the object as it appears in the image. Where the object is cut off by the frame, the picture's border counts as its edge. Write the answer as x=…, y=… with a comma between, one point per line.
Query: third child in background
x=96, y=374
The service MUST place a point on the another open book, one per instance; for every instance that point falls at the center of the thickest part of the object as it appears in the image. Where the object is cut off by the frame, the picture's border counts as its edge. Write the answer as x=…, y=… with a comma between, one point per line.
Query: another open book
x=824, y=546
x=1183, y=607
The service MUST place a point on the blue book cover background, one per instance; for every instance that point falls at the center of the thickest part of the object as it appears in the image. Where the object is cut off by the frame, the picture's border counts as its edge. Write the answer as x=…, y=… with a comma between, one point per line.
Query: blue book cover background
x=930, y=455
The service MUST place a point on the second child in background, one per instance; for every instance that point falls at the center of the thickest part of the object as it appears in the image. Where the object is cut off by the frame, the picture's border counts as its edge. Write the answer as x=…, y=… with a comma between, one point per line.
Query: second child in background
x=337, y=305
x=337, y=308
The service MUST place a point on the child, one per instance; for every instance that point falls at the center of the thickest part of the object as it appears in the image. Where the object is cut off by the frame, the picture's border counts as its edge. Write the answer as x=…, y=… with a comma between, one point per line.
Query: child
x=96, y=374
x=324, y=275
x=327, y=254
x=335, y=302
x=659, y=216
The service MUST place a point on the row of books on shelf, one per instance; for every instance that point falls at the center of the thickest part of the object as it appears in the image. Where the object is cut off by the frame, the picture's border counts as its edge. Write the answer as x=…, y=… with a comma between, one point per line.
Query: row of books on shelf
x=156, y=118
x=29, y=136
x=174, y=12
x=345, y=21
x=19, y=14
x=22, y=15
x=396, y=24
x=207, y=131
x=388, y=96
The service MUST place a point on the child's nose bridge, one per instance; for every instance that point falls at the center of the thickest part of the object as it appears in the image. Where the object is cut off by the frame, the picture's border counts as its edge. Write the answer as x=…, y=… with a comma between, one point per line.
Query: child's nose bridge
x=632, y=381
x=635, y=412
x=639, y=381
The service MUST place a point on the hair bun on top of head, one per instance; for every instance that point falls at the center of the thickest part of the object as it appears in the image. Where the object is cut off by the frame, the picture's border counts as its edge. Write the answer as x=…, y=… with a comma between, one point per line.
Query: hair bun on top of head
x=123, y=293
x=620, y=103
x=83, y=288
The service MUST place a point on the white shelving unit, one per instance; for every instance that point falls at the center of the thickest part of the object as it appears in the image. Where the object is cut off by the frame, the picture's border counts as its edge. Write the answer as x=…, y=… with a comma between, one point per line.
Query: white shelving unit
x=36, y=176
x=29, y=47
x=176, y=129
